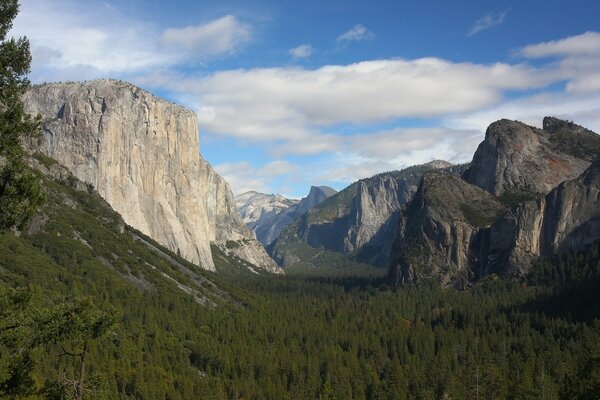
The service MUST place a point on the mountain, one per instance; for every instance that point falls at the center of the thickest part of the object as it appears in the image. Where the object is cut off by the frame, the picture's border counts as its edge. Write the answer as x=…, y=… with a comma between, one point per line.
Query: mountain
x=268, y=215
x=359, y=221
x=515, y=157
x=527, y=193
x=265, y=214
x=141, y=154
x=316, y=196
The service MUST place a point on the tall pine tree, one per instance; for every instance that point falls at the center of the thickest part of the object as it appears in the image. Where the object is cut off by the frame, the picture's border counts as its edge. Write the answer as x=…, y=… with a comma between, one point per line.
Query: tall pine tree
x=20, y=190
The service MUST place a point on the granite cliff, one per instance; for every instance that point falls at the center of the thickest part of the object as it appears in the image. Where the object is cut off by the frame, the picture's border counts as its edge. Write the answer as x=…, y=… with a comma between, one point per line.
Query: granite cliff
x=528, y=193
x=141, y=153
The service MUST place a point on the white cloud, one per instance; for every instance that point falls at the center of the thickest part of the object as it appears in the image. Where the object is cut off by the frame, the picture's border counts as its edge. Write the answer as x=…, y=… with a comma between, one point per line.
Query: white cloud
x=584, y=110
x=365, y=155
x=292, y=106
x=486, y=22
x=298, y=111
x=78, y=45
x=579, y=60
x=302, y=51
x=279, y=167
x=215, y=38
x=586, y=44
x=356, y=34
x=243, y=177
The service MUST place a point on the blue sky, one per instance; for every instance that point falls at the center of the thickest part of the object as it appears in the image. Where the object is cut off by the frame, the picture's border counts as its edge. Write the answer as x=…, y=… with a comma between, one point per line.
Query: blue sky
x=297, y=93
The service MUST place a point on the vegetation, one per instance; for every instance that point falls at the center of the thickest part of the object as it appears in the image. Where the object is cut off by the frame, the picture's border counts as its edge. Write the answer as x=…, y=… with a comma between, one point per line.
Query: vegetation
x=514, y=198
x=299, y=336
x=482, y=212
x=20, y=192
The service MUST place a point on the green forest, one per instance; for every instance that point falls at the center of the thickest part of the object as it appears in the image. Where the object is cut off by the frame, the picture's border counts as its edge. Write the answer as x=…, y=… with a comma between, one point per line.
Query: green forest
x=80, y=279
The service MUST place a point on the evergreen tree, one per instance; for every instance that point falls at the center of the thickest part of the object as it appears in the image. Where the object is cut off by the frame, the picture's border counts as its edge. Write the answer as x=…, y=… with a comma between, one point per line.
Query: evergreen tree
x=20, y=190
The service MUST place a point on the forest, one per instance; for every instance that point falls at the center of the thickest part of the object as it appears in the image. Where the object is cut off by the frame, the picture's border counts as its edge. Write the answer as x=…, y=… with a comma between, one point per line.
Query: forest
x=300, y=336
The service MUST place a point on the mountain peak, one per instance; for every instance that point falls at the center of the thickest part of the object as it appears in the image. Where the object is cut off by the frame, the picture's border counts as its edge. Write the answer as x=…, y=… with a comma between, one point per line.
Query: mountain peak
x=516, y=157
x=438, y=164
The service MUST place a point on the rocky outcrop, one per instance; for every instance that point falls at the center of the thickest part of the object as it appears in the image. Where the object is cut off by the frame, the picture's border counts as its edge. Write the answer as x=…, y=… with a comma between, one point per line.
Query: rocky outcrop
x=138, y=151
x=268, y=215
x=225, y=227
x=455, y=232
x=515, y=157
x=443, y=225
x=360, y=220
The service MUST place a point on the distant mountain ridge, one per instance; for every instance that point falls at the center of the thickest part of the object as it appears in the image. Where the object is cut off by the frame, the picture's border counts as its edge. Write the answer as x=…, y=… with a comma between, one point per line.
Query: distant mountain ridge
x=359, y=221
x=268, y=215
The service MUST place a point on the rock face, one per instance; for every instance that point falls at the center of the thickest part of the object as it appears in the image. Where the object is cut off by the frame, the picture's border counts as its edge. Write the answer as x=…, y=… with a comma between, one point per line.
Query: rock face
x=515, y=157
x=360, y=220
x=268, y=215
x=440, y=229
x=225, y=227
x=456, y=232
x=316, y=196
x=141, y=154
x=572, y=213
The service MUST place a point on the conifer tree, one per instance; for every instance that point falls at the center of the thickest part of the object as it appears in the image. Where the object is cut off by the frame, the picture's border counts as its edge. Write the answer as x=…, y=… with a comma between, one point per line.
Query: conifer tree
x=20, y=190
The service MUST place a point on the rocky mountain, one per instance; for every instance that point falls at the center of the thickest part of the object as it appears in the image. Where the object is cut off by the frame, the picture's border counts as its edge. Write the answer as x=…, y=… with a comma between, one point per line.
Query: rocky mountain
x=316, y=196
x=360, y=220
x=515, y=157
x=268, y=215
x=504, y=213
x=141, y=154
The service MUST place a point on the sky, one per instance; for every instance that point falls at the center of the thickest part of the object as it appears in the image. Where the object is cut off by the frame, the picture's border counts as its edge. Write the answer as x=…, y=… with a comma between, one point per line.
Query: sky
x=291, y=94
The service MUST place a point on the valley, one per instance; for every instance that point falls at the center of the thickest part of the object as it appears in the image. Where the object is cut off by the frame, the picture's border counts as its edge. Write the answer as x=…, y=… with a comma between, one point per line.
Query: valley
x=230, y=217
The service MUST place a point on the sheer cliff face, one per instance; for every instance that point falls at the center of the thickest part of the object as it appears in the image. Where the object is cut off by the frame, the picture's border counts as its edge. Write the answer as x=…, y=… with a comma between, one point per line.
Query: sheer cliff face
x=572, y=213
x=515, y=157
x=224, y=220
x=266, y=214
x=139, y=152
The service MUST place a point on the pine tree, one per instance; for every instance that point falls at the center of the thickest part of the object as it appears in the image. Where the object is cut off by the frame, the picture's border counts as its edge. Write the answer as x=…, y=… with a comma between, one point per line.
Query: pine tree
x=20, y=190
